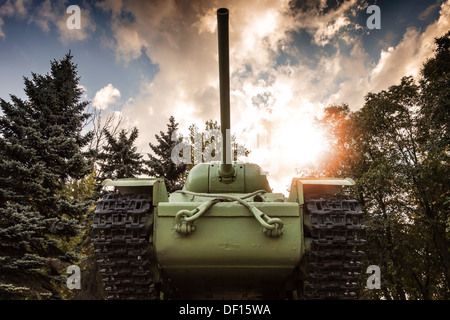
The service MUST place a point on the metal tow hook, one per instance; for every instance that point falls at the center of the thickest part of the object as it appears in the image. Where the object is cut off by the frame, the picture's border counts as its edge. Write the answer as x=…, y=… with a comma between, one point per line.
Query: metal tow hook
x=272, y=227
x=184, y=219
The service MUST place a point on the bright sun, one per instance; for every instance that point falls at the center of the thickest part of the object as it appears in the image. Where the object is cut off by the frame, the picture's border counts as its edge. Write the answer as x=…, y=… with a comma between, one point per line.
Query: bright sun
x=302, y=144
x=282, y=150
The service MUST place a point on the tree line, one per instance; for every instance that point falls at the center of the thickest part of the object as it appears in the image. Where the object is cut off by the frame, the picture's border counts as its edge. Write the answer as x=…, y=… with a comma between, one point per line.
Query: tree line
x=396, y=148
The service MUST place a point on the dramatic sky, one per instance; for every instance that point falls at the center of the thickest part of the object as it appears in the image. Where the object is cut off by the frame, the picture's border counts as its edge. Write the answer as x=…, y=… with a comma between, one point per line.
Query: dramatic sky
x=148, y=60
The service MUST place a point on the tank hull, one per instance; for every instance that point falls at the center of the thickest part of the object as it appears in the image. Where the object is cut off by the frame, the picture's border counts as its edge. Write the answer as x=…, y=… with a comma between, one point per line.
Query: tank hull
x=228, y=253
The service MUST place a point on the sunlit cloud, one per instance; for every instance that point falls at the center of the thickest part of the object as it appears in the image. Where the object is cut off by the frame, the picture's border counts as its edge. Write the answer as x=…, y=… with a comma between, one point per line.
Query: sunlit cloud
x=106, y=96
x=404, y=59
x=268, y=94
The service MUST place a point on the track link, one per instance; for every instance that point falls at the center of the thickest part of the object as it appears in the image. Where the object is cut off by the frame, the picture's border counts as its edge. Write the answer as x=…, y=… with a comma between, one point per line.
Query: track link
x=335, y=260
x=120, y=238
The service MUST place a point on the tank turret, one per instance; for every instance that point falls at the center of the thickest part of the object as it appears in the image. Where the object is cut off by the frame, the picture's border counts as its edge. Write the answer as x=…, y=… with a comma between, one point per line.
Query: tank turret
x=227, y=176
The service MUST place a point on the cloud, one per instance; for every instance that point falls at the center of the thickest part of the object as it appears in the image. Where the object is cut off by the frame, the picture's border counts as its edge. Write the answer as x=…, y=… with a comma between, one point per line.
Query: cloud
x=324, y=23
x=273, y=86
x=182, y=40
x=48, y=14
x=430, y=10
x=13, y=8
x=405, y=58
x=105, y=96
x=54, y=13
x=84, y=91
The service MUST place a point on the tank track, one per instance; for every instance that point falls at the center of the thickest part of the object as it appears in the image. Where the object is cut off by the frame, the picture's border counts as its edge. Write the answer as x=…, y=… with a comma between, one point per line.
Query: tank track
x=335, y=260
x=121, y=245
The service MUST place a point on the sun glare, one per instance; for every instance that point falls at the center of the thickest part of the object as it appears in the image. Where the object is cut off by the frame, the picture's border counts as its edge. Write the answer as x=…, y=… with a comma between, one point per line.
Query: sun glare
x=302, y=144
x=282, y=150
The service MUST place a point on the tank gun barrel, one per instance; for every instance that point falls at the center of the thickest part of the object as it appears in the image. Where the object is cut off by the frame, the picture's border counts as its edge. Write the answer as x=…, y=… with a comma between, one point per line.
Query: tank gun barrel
x=226, y=170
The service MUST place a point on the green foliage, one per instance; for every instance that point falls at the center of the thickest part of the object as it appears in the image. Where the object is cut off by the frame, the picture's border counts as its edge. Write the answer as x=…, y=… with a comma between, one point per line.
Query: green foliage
x=40, y=151
x=161, y=164
x=120, y=158
x=80, y=246
x=396, y=148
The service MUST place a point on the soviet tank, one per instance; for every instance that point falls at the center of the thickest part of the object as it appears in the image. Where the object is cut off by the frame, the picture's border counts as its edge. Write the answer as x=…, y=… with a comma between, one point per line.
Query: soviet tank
x=226, y=235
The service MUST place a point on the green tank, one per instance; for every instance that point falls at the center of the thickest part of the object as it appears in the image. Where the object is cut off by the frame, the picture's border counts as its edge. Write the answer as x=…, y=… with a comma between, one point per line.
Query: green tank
x=225, y=235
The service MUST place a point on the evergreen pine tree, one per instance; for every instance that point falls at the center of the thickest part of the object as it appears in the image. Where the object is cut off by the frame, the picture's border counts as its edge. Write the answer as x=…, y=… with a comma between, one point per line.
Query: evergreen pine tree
x=161, y=164
x=120, y=158
x=40, y=151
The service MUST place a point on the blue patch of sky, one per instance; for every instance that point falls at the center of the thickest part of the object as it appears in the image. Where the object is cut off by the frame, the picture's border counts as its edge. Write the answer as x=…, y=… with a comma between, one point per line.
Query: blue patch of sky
x=396, y=18
x=305, y=51
x=26, y=48
x=99, y=65
x=127, y=16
